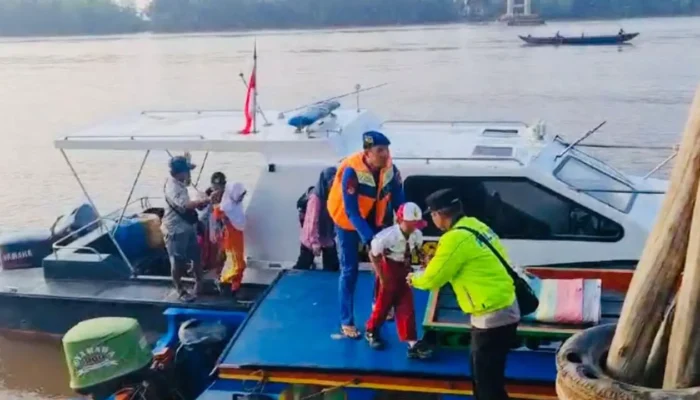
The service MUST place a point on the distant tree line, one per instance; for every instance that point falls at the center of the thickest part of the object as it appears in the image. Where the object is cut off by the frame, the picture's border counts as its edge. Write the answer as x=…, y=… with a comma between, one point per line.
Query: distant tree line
x=615, y=8
x=87, y=17
x=198, y=15
x=67, y=17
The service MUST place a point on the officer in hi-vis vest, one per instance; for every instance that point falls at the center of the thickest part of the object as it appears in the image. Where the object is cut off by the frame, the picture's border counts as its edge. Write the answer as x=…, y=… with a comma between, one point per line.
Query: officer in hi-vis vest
x=367, y=186
x=472, y=259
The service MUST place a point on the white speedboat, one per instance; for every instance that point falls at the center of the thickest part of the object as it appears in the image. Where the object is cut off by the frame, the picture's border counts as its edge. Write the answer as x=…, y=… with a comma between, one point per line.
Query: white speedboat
x=555, y=207
x=549, y=201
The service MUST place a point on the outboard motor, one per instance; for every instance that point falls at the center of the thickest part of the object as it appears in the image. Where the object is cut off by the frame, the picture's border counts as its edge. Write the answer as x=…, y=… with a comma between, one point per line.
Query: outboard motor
x=73, y=221
x=110, y=355
x=201, y=344
x=27, y=249
x=24, y=249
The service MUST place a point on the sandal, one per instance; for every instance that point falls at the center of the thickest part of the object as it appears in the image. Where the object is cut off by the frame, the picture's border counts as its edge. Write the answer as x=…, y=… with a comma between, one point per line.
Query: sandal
x=350, y=332
x=186, y=297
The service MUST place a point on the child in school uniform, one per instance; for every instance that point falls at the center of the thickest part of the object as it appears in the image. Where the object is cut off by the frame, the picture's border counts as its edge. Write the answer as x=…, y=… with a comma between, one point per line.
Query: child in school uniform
x=390, y=254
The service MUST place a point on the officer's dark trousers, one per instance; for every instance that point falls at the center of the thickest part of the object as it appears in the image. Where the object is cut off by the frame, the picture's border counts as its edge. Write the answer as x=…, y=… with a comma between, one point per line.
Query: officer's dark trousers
x=489, y=349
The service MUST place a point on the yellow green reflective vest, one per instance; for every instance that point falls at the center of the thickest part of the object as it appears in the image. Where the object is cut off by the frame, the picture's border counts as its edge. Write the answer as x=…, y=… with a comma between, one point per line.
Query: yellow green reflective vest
x=480, y=282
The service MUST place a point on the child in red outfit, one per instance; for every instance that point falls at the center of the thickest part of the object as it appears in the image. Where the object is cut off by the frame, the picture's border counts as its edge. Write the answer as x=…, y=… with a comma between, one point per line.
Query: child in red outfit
x=390, y=254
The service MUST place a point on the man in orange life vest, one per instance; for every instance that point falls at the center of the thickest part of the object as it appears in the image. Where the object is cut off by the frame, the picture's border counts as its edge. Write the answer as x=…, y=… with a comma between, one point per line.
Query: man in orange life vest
x=366, y=187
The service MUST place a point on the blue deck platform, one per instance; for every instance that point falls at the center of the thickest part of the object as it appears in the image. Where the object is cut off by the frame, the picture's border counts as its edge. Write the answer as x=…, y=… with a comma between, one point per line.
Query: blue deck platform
x=294, y=328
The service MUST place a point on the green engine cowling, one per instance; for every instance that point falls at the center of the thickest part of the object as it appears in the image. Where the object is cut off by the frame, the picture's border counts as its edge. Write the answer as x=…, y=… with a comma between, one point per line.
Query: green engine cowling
x=104, y=349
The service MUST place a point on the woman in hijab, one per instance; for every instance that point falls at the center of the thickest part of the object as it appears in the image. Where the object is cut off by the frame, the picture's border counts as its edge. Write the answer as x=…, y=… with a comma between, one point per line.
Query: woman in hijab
x=317, y=234
x=231, y=214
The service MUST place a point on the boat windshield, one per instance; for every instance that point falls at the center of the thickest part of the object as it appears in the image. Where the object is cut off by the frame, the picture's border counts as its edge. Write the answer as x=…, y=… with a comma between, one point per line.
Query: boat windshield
x=597, y=179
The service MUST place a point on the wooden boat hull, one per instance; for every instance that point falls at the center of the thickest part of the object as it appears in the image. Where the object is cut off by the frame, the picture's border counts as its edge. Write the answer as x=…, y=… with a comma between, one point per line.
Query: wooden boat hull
x=579, y=41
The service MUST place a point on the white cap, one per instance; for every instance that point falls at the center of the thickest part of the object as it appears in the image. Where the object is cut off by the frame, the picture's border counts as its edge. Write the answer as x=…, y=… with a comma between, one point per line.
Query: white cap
x=410, y=212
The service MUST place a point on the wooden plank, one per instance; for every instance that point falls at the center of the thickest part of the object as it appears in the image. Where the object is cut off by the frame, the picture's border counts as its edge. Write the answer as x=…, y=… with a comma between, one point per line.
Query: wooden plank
x=661, y=262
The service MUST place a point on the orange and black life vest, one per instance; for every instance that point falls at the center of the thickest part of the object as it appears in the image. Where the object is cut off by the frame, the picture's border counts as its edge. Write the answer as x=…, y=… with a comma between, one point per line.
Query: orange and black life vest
x=370, y=194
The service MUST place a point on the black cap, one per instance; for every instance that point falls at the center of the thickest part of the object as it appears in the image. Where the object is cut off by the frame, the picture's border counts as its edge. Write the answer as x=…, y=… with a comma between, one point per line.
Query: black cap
x=442, y=199
x=218, y=178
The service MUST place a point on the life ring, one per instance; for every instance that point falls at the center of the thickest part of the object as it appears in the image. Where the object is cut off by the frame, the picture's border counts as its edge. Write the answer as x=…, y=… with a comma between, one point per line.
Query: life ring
x=581, y=375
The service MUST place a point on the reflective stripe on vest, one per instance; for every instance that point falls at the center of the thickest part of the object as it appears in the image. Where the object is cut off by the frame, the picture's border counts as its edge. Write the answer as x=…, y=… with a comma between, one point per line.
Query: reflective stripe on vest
x=370, y=194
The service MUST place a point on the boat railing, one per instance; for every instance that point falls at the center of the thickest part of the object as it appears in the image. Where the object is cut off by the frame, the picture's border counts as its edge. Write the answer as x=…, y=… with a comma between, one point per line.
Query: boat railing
x=477, y=158
x=100, y=256
x=144, y=203
x=133, y=137
x=453, y=122
x=576, y=145
x=197, y=111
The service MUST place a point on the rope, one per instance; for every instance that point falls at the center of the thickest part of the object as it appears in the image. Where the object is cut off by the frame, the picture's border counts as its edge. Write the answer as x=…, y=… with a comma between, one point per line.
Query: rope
x=331, y=389
x=259, y=384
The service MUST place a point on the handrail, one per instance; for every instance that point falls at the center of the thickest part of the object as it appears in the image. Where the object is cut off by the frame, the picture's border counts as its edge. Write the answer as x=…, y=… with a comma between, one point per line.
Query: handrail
x=131, y=137
x=428, y=159
x=418, y=121
x=90, y=249
x=583, y=190
x=615, y=146
x=203, y=111
x=624, y=146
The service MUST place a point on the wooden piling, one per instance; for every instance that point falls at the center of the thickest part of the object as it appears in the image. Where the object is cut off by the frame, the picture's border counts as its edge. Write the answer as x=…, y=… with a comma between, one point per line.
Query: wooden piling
x=656, y=364
x=661, y=262
x=683, y=361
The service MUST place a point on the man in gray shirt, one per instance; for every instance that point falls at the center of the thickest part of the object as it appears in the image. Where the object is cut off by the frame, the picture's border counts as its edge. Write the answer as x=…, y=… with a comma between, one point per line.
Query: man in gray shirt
x=179, y=226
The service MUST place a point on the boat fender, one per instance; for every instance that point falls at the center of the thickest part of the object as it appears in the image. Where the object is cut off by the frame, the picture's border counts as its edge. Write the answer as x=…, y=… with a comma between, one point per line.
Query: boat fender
x=313, y=114
x=581, y=376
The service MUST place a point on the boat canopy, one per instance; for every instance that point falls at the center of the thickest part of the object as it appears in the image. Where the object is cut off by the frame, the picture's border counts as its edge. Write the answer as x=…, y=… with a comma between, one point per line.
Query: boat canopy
x=218, y=131
x=323, y=133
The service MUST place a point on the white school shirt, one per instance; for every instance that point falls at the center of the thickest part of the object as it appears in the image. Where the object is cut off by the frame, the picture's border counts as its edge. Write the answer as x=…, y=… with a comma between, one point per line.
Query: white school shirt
x=391, y=243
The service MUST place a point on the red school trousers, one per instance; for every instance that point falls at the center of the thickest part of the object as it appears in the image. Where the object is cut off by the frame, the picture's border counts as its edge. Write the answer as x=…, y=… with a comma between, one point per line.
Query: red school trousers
x=396, y=293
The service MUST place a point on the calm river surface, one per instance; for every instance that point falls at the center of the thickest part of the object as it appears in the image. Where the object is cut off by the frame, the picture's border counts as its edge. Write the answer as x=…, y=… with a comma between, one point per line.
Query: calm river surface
x=52, y=86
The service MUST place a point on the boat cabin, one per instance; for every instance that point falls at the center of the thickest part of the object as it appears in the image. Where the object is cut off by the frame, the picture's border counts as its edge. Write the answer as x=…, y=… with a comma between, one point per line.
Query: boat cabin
x=550, y=202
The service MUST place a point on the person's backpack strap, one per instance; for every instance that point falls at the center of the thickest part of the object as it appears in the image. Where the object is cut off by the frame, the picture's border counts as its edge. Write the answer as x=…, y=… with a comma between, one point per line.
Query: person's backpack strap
x=495, y=252
x=191, y=218
x=525, y=296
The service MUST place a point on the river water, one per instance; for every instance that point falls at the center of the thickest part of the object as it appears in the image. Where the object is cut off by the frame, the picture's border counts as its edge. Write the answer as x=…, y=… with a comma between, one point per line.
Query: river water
x=50, y=87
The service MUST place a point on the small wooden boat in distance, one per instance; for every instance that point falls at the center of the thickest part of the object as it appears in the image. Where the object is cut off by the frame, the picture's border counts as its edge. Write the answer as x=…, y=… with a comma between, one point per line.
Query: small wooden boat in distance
x=580, y=40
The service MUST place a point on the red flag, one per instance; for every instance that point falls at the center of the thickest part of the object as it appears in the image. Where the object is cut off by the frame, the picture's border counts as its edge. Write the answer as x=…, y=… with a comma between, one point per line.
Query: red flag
x=248, y=100
x=251, y=106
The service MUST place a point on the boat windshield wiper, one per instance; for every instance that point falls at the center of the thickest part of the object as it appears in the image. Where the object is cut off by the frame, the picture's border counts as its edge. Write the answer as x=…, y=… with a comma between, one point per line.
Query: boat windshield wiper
x=579, y=140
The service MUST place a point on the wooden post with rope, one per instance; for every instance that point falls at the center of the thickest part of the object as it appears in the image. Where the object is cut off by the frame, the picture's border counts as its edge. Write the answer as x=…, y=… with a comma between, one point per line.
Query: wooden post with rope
x=660, y=267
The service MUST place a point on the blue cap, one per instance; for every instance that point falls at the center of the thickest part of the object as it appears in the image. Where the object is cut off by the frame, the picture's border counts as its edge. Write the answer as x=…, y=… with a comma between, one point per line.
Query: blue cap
x=374, y=138
x=180, y=164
